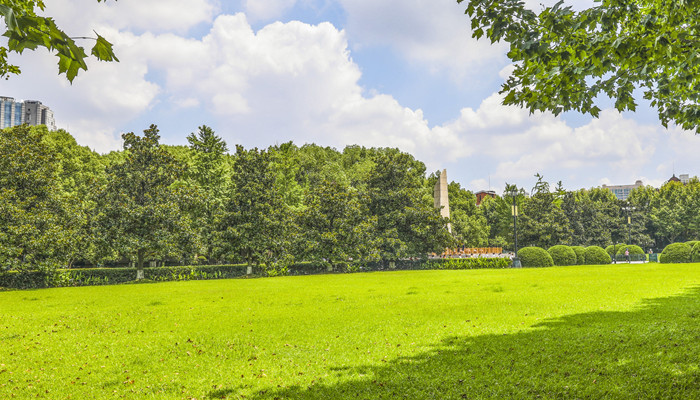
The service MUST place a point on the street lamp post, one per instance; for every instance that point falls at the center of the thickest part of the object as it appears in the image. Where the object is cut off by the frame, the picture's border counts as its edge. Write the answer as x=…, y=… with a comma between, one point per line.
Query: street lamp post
x=629, y=228
x=514, y=211
x=628, y=209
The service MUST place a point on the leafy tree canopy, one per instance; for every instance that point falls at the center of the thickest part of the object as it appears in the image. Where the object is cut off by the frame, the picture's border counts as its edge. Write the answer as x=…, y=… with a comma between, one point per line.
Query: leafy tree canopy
x=27, y=30
x=564, y=59
x=139, y=208
x=255, y=224
x=36, y=225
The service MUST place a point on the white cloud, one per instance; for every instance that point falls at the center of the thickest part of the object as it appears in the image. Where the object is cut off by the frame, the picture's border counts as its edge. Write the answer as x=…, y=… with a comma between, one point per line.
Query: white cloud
x=653, y=182
x=297, y=79
x=95, y=135
x=507, y=71
x=287, y=80
x=685, y=146
x=154, y=15
x=521, y=145
x=479, y=184
x=434, y=33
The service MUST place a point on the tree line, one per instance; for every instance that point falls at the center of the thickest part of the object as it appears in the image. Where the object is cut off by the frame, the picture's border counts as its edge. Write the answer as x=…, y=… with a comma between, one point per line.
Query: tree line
x=650, y=218
x=63, y=204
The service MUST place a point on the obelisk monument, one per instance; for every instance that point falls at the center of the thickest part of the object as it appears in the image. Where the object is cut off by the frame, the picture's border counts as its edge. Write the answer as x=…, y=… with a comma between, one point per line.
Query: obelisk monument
x=440, y=197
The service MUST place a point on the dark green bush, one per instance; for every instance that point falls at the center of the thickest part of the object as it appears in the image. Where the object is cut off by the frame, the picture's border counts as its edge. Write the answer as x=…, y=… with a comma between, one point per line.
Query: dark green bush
x=112, y=276
x=197, y=272
x=580, y=254
x=562, y=255
x=23, y=280
x=45, y=274
x=596, y=255
x=636, y=253
x=695, y=253
x=634, y=250
x=675, y=253
x=612, y=249
x=310, y=268
x=535, y=257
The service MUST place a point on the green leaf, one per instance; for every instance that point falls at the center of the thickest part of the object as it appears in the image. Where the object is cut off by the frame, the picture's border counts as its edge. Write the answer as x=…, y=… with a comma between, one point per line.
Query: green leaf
x=8, y=13
x=68, y=66
x=103, y=49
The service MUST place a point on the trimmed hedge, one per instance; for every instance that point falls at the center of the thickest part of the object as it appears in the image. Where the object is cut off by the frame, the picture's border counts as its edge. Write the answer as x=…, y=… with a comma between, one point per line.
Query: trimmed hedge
x=596, y=255
x=692, y=243
x=562, y=255
x=111, y=276
x=675, y=253
x=695, y=253
x=24, y=279
x=535, y=257
x=580, y=254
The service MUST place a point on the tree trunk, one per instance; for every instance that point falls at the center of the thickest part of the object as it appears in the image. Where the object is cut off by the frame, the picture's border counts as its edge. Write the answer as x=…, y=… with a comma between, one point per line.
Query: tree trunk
x=139, y=265
x=249, y=270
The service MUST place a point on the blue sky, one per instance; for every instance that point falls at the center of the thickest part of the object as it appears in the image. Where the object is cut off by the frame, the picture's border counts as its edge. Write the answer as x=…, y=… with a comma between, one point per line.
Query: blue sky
x=398, y=73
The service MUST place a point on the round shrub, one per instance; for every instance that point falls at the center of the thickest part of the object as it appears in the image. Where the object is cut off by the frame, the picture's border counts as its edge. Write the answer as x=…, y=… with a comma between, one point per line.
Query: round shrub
x=535, y=257
x=580, y=254
x=633, y=250
x=695, y=253
x=692, y=243
x=596, y=255
x=614, y=248
x=675, y=253
x=562, y=255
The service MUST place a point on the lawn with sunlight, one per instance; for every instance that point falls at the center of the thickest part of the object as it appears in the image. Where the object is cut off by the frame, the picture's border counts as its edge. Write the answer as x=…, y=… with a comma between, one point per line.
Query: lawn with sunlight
x=618, y=331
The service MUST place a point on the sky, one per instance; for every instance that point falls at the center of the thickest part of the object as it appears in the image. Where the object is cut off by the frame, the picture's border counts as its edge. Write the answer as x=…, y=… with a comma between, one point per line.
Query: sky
x=389, y=73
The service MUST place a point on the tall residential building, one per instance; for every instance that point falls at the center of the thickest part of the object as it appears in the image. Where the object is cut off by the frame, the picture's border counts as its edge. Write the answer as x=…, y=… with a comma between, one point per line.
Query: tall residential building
x=623, y=191
x=31, y=112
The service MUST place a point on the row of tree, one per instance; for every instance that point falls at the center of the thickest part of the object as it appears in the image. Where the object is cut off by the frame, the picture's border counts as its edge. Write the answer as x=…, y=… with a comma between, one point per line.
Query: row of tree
x=649, y=218
x=63, y=203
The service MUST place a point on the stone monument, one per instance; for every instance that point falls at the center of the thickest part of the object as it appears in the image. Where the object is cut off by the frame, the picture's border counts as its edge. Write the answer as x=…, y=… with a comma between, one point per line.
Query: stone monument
x=440, y=197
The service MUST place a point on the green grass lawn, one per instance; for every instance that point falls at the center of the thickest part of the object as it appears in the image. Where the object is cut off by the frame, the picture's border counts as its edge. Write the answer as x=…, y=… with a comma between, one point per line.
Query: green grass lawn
x=587, y=332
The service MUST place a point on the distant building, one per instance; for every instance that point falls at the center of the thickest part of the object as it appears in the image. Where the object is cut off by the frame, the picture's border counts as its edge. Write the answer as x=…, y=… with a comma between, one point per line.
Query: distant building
x=482, y=194
x=622, y=192
x=685, y=178
x=31, y=112
x=682, y=178
x=673, y=179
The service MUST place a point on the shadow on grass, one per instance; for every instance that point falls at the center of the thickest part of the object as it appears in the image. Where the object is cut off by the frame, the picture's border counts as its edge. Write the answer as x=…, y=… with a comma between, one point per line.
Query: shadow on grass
x=649, y=353
x=220, y=393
